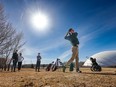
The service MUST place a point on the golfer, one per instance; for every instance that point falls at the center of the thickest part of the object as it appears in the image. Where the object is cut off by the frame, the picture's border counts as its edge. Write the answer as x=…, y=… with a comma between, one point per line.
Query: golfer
x=72, y=37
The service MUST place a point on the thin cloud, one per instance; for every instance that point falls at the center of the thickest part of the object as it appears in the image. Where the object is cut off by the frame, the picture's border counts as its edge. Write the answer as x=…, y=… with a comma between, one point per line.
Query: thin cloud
x=30, y=52
x=65, y=54
x=55, y=45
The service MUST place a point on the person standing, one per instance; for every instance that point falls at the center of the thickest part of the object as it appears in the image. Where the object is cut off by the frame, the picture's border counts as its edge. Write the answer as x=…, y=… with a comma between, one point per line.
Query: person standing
x=20, y=59
x=38, y=63
x=15, y=59
x=72, y=37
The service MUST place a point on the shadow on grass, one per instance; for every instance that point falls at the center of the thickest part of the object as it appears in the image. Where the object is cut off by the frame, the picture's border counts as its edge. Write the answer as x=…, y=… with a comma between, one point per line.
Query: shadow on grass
x=100, y=73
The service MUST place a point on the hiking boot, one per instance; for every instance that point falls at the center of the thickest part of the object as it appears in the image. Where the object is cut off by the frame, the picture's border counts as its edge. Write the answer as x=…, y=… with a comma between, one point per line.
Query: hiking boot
x=64, y=68
x=77, y=70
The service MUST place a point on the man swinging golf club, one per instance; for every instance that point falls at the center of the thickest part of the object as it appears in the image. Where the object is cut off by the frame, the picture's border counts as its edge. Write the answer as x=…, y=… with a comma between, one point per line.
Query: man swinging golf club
x=72, y=37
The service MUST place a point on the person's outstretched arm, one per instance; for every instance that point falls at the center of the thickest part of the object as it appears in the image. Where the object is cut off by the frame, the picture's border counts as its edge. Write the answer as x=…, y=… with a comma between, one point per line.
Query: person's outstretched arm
x=66, y=36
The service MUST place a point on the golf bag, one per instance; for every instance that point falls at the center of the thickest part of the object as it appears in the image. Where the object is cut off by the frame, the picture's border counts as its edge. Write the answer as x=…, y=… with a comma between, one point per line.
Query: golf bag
x=95, y=66
x=56, y=65
x=49, y=66
x=71, y=67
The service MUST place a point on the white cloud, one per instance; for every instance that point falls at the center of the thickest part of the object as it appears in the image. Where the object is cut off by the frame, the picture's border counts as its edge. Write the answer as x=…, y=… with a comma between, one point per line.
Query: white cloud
x=65, y=54
x=30, y=52
x=52, y=45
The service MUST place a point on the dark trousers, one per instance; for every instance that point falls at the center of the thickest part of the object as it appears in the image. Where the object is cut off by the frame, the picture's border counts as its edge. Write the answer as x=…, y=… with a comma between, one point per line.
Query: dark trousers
x=14, y=65
x=19, y=65
x=37, y=65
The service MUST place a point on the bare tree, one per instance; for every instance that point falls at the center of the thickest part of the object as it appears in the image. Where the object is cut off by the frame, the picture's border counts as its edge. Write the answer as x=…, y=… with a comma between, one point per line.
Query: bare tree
x=10, y=40
x=18, y=41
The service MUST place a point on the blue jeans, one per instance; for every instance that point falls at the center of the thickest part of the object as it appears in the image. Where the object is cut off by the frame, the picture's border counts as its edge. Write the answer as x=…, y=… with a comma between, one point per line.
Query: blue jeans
x=14, y=65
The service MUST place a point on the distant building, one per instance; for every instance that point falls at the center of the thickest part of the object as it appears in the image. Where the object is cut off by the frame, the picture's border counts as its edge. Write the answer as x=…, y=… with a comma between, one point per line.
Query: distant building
x=106, y=59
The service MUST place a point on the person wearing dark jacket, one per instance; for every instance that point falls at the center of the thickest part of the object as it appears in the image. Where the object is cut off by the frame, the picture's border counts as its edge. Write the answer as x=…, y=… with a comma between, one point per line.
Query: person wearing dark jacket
x=38, y=62
x=15, y=60
x=72, y=37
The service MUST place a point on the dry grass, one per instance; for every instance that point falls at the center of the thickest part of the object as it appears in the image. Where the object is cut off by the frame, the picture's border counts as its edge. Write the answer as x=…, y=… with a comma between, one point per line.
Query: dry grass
x=30, y=78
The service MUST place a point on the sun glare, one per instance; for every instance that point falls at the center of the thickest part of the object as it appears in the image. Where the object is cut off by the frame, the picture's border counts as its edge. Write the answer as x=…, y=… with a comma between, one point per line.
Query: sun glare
x=39, y=21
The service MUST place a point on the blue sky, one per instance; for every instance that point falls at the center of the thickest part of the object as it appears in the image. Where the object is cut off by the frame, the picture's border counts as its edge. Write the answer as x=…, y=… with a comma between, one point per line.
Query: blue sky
x=94, y=20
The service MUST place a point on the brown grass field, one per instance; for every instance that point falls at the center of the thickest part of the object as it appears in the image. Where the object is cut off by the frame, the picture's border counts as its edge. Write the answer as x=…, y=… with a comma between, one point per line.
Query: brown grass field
x=30, y=78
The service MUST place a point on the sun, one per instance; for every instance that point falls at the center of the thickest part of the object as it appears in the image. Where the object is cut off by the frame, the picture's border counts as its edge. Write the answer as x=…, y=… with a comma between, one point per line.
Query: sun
x=39, y=21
